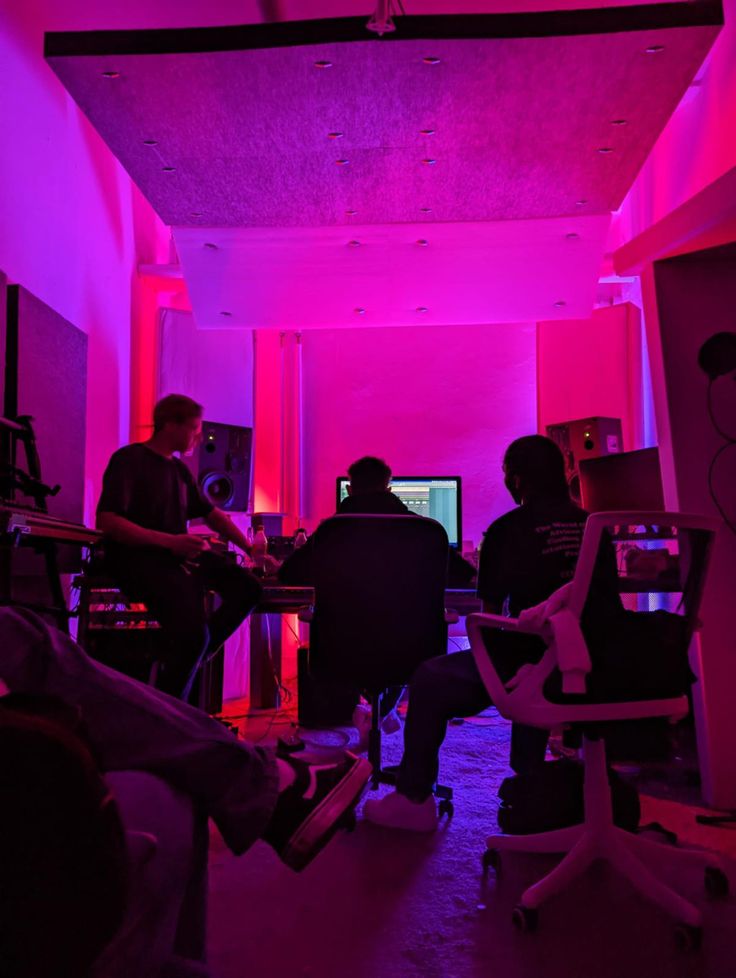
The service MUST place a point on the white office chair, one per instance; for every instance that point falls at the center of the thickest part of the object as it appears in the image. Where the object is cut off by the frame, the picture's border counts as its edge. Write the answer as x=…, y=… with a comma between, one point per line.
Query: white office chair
x=684, y=563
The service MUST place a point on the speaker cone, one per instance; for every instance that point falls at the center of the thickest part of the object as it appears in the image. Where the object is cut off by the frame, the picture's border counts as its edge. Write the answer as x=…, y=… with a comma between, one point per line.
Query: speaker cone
x=218, y=488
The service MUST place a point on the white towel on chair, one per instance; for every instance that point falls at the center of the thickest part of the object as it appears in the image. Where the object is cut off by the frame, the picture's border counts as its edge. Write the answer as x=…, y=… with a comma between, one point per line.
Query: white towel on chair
x=561, y=629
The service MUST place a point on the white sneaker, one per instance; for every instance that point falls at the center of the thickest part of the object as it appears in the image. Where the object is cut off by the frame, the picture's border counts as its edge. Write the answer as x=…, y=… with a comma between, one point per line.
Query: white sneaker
x=396, y=811
x=362, y=723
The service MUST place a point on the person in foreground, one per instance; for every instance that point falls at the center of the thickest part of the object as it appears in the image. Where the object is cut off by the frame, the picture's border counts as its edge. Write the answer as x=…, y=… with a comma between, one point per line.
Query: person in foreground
x=148, y=497
x=69, y=906
x=526, y=555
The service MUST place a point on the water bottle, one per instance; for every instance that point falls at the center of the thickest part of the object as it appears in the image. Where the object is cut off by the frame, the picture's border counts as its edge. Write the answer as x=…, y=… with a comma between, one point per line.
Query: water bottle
x=260, y=548
x=300, y=538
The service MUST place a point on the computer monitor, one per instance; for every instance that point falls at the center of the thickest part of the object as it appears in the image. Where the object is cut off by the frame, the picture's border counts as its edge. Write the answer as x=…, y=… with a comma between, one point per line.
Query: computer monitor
x=436, y=496
x=627, y=480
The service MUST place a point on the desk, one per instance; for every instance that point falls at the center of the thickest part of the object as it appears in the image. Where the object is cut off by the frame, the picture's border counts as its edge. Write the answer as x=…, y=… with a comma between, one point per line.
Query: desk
x=278, y=600
x=265, y=633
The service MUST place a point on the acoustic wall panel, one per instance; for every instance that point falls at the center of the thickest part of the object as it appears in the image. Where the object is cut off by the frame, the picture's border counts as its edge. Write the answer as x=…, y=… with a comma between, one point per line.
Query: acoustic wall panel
x=47, y=379
x=4, y=435
x=214, y=366
x=3, y=321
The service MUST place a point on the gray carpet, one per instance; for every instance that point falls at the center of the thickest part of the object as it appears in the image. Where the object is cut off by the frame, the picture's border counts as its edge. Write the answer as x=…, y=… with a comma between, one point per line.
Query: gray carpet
x=382, y=904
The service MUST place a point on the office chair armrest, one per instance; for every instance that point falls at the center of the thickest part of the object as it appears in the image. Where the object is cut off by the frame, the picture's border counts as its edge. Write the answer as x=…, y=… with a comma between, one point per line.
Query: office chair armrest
x=510, y=624
x=451, y=616
x=306, y=613
x=573, y=675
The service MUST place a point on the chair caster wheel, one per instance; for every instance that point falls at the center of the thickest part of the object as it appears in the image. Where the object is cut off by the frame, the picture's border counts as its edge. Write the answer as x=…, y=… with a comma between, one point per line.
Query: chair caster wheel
x=525, y=919
x=688, y=937
x=491, y=859
x=716, y=883
x=446, y=807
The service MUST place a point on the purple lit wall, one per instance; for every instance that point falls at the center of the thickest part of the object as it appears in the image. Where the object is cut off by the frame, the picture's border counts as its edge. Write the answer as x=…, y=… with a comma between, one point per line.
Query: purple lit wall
x=431, y=401
x=697, y=146
x=73, y=226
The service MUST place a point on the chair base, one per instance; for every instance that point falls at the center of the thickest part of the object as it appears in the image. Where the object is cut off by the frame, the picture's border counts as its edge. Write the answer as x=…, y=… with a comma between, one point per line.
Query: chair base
x=598, y=838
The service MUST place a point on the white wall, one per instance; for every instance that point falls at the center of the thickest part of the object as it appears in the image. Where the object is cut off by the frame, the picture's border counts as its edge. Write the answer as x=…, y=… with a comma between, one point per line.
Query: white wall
x=431, y=401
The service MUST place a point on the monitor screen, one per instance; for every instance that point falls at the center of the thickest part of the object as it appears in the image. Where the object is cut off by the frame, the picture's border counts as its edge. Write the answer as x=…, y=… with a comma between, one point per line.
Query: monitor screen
x=627, y=480
x=438, y=497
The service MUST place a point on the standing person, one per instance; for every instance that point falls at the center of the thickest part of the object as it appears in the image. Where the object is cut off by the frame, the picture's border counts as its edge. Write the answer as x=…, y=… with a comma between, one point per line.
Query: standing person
x=526, y=555
x=148, y=498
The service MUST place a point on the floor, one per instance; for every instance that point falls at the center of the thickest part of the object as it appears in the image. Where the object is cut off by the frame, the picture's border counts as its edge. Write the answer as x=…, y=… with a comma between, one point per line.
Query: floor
x=382, y=904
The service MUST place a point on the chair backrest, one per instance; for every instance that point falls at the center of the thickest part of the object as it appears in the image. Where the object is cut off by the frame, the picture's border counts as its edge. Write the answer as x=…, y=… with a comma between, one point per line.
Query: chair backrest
x=379, y=597
x=686, y=539
x=672, y=552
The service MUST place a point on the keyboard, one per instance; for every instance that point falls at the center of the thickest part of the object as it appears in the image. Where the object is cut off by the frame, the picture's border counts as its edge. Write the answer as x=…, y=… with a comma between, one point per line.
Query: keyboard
x=24, y=523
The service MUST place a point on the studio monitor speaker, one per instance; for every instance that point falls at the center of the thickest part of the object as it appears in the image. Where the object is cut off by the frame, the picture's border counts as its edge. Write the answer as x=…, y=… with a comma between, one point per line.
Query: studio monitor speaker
x=224, y=465
x=585, y=438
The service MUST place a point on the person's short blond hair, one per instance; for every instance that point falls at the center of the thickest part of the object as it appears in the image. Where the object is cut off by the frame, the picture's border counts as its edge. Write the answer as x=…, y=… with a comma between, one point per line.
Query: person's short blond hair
x=175, y=408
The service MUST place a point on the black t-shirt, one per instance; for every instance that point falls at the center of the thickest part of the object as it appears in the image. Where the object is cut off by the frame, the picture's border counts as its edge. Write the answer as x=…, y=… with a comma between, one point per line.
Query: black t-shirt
x=150, y=490
x=532, y=551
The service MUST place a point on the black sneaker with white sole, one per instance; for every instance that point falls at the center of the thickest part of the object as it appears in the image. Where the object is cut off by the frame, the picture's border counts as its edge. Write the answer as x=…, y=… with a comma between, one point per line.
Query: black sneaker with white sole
x=319, y=802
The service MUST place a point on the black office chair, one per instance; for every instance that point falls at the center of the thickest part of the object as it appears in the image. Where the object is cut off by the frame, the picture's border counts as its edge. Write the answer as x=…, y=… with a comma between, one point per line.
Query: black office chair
x=378, y=611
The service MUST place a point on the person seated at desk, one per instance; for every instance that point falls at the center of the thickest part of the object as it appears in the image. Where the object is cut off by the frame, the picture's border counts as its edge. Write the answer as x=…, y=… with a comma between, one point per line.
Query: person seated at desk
x=369, y=493
x=526, y=555
x=148, y=498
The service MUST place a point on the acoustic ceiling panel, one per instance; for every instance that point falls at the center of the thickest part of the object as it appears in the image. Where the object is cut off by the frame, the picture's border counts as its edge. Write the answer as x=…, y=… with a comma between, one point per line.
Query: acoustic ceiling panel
x=452, y=118
x=395, y=275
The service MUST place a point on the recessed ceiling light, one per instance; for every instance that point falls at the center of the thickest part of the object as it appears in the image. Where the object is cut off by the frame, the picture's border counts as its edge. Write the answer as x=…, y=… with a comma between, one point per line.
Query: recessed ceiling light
x=422, y=309
x=322, y=64
x=359, y=311
x=426, y=132
x=426, y=210
x=342, y=162
x=354, y=243
x=605, y=150
x=582, y=202
x=350, y=212
x=150, y=142
x=619, y=122
x=428, y=161
x=335, y=135
x=654, y=49
x=224, y=312
x=422, y=242
x=431, y=61
x=560, y=303
x=211, y=245
x=169, y=169
x=572, y=235
x=110, y=74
